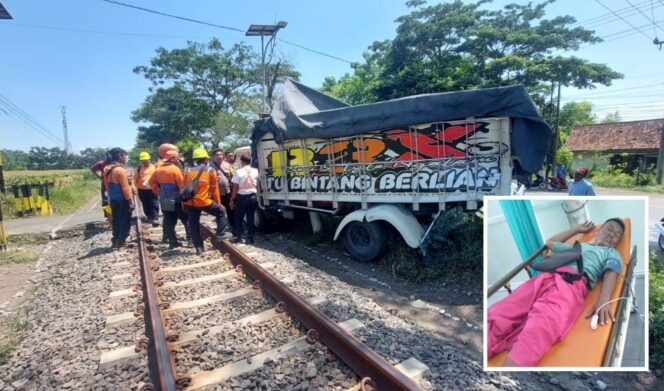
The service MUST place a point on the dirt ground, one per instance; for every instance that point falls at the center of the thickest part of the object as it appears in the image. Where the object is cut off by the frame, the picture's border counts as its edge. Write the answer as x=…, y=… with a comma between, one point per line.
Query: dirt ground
x=14, y=290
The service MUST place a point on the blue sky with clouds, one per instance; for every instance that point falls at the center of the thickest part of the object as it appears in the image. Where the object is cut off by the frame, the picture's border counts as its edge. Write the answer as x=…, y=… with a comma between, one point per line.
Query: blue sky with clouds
x=80, y=54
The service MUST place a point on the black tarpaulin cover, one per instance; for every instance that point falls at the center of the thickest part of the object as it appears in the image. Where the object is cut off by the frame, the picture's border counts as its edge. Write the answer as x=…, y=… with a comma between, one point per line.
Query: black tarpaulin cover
x=302, y=112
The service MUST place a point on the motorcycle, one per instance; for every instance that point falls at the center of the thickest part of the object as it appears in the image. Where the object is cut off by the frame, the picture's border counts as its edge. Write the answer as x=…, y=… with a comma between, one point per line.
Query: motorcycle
x=528, y=182
x=660, y=228
x=555, y=184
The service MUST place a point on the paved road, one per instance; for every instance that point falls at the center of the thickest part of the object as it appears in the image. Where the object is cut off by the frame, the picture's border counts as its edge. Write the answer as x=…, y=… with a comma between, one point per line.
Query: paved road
x=91, y=212
x=655, y=208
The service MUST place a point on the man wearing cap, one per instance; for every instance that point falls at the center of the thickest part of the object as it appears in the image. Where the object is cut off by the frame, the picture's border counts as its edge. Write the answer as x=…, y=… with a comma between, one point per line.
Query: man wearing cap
x=148, y=199
x=166, y=182
x=206, y=199
x=579, y=186
x=119, y=195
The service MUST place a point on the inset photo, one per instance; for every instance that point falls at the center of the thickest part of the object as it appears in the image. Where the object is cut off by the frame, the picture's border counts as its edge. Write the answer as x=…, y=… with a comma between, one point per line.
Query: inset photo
x=566, y=283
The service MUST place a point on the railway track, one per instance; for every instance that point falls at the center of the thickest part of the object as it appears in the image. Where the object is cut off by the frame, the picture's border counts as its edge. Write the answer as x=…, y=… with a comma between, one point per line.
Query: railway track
x=210, y=320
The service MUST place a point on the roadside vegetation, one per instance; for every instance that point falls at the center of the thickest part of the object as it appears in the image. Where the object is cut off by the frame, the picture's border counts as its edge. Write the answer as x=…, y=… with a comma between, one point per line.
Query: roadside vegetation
x=15, y=331
x=70, y=189
x=453, y=247
x=616, y=177
x=656, y=311
x=22, y=248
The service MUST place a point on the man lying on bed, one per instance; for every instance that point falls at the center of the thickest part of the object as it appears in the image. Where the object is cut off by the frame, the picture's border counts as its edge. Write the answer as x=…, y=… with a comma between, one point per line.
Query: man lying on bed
x=542, y=310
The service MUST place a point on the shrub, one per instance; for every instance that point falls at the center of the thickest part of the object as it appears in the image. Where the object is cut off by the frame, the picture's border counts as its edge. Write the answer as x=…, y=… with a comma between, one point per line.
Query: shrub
x=656, y=311
x=454, y=245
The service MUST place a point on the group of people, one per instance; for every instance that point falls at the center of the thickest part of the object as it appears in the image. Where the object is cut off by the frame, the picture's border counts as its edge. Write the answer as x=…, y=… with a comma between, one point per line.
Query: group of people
x=214, y=186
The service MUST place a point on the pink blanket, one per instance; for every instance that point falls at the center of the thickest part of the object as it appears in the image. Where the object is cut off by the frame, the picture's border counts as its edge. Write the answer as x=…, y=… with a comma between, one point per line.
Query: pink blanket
x=539, y=313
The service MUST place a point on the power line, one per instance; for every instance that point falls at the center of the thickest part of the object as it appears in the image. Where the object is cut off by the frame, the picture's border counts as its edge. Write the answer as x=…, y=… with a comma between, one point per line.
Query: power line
x=27, y=118
x=623, y=19
x=609, y=17
x=32, y=127
x=172, y=16
x=644, y=15
x=119, y=33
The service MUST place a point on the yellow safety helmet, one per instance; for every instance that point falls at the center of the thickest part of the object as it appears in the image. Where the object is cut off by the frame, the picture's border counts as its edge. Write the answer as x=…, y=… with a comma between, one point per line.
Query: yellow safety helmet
x=200, y=153
x=143, y=156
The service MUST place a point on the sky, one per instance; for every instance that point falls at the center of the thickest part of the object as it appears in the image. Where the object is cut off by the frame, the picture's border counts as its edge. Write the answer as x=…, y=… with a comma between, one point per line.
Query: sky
x=80, y=54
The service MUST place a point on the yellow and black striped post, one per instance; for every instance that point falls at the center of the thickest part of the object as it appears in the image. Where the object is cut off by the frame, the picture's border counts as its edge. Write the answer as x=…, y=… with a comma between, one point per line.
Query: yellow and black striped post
x=18, y=202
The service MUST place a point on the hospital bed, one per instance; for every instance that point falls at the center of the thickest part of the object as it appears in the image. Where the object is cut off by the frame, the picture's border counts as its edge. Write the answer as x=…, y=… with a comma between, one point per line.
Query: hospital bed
x=583, y=346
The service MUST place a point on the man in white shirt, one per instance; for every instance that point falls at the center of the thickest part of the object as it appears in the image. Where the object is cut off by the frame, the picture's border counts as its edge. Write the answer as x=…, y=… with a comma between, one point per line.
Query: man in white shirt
x=243, y=199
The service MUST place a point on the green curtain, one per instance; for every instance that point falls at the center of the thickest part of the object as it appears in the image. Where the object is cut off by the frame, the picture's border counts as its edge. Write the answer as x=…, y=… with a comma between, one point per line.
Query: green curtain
x=521, y=220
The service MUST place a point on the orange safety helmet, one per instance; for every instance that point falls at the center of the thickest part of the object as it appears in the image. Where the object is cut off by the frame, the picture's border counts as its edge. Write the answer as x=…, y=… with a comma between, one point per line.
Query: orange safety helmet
x=163, y=148
x=171, y=154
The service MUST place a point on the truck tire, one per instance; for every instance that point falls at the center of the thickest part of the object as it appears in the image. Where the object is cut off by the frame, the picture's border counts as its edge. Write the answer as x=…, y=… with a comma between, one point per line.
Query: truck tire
x=660, y=241
x=365, y=241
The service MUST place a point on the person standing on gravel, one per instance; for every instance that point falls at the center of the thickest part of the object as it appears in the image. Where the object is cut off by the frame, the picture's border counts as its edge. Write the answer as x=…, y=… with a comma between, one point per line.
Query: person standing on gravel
x=166, y=182
x=119, y=195
x=243, y=200
x=205, y=185
x=98, y=170
x=148, y=199
x=222, y=168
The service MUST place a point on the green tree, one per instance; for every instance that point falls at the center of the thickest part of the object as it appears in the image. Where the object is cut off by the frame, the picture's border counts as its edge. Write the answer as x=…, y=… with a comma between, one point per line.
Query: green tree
x=456, y=46
x=611, y=117
x=203, y=93
x=13, y=160
x=573, y=114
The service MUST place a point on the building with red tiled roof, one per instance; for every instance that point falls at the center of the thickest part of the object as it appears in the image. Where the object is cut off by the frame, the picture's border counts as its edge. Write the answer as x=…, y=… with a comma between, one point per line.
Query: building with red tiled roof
x=635, y=143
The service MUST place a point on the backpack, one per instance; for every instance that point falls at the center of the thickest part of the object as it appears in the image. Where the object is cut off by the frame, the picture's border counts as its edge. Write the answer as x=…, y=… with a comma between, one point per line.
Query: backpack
x=189, y=190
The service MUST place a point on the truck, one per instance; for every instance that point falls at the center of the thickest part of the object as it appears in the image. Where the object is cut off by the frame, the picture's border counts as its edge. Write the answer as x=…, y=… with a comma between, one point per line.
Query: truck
x=395, y=165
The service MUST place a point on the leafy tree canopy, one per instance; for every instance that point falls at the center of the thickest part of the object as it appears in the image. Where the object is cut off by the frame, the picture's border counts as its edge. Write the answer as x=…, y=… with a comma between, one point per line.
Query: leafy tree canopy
x=204, y=93
x=457, y=46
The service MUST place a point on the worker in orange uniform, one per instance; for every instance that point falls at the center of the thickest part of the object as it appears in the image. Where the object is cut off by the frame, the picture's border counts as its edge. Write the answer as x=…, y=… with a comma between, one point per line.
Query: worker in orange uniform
x=205, y=199
x=98, y=170
x=163, y=148
x=119, y=196
x=166, y=182
x=148, y=199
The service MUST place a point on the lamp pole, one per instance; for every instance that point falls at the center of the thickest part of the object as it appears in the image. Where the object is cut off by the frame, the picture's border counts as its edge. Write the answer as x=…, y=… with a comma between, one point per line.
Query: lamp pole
x=263, y=30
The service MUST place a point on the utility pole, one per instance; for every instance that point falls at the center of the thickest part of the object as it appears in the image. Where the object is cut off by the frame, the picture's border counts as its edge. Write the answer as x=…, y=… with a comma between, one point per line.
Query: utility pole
x=660, y=154
x=64, y=130
x=262, y=30
x=555, y=134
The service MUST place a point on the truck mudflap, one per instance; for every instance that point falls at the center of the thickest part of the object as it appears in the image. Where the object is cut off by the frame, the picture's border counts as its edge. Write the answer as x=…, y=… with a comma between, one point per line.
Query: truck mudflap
x=400, y=218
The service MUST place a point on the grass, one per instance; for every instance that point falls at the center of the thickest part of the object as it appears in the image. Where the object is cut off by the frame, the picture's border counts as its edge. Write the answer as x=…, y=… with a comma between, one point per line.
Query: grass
x=47, y=173
x=656, y=309
x=67, y=196
x=454, y=248
x=18, y=324
x=67, y=199
x=18, y=255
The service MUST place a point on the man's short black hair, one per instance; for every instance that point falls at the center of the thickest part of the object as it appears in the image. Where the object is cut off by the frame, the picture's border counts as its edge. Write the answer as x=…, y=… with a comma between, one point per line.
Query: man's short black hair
x=245, y=159
x=617, y=221
x=216, y=150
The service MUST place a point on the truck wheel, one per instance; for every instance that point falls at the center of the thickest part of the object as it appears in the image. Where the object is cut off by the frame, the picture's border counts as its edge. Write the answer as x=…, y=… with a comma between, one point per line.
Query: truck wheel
x=365, y=241
x=661, y=242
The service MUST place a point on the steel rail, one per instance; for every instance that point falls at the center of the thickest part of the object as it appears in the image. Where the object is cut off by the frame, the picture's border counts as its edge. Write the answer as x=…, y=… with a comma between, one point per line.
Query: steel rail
x=359, y=357
x=160, y=359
